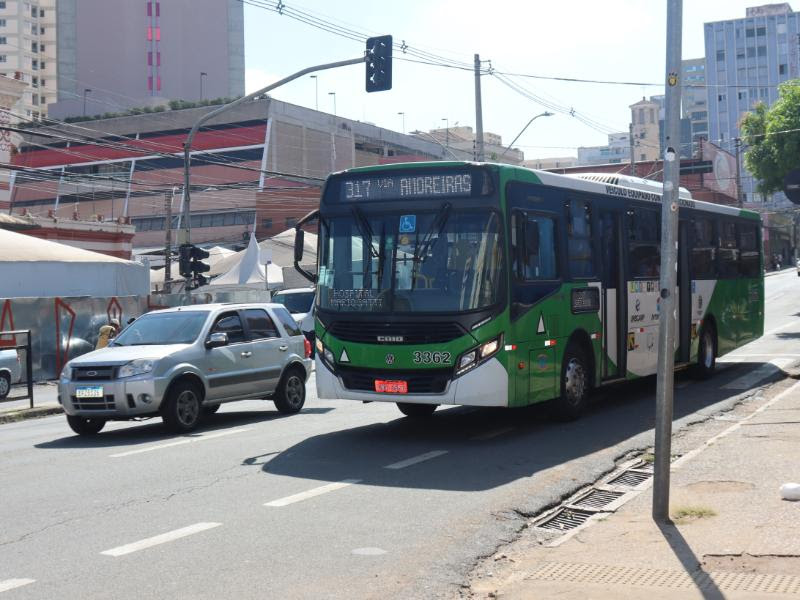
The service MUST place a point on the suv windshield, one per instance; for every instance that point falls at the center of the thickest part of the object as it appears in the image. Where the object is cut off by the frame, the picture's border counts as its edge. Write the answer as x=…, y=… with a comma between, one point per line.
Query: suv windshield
x=442, y=260
x=295, y=302
x=155, y=329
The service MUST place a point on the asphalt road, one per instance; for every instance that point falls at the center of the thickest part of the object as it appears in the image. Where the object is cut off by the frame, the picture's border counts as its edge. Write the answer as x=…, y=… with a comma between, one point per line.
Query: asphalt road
x=341, y=501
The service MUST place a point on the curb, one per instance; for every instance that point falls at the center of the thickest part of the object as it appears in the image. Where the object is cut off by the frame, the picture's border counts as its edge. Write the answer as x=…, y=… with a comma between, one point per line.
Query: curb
x=14, y=416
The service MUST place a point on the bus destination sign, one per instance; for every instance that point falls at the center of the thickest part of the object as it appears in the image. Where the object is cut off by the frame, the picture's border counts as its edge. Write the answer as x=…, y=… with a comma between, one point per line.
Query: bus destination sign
x=396, y=187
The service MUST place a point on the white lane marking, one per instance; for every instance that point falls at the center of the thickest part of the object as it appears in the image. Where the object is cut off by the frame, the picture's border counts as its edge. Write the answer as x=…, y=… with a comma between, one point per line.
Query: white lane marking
x=10, y=584
x=317, y=491
x=369, y=551
x=416, y=459
x=779, y=354
x=160, y=539
x=750, y=379
x=181, y=442
x=491, y=434
x=712, y=440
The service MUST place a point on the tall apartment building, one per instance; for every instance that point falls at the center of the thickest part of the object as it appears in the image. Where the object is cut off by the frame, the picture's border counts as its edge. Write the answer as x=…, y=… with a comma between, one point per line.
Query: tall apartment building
x=694, y=101
x=746, y=59
x=119, y=54
x=28, y=52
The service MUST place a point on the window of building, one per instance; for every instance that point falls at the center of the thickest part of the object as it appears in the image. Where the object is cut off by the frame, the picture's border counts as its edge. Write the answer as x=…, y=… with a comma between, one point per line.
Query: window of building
x=266, y=223
x=740, y=54
x=2, y=22
x=42, y=82
x=149, y=59
x=763, y=93
x=158, y=59
x=641, y=116
x=35, y=100
x=158, y=9
x=761, y=31
x=762, y=51
x=750, y=32
x=720, y=55
x=652, y=115
x=2, y=5
x=34, y=12
x=149, y=34
x=721, y=97
x=742, y=95
x=43, y=100
x=158, y=34
x=579, y=239
x=41, y=13
x=34, y=46
x=291, y=221
x=762, y=74
x=751, y=52
x=3, y=41
x=780, y=28
x=149, y=9
x=35, y=82
x=643, y=156
x=782, y=69
x=150, y=83
x=42, y=65
x=741, y=73
x=41, y=30
x=158, y=83
x=3, y=58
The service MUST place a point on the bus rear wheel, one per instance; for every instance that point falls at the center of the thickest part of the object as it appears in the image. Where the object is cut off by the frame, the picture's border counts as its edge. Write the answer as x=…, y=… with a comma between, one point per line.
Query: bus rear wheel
x=706, y=353
x=416, y=411
x=575, y=384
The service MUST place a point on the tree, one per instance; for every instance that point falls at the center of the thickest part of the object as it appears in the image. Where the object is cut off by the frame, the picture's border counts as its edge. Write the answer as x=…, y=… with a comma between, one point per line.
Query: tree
x=773, y=137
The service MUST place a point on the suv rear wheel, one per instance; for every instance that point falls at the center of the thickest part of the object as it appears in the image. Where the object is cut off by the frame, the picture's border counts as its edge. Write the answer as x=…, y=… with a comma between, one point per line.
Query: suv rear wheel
x=181, y=409
x=291, y=393
x=5, y=385
x=85, y=425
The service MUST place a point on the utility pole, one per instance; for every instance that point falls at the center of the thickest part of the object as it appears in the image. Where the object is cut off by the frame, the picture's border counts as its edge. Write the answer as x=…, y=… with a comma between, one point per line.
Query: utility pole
x=630, y=139
x=665, y=378
x=478, y=111
x=737, y=145
x=168, y=242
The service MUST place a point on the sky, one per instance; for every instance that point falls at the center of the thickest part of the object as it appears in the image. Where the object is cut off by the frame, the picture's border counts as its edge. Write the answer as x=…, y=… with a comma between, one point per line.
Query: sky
x=613, y=40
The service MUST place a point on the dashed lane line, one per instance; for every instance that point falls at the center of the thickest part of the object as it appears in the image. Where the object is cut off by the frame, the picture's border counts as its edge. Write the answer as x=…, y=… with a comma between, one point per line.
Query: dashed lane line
x=10, y=584
x=317, y=491
x=416, y=459
x=160, y=539
x=181, y=442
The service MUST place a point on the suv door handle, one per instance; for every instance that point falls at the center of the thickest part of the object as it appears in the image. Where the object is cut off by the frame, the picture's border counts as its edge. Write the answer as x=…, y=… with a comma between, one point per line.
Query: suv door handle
x=283, y=348
x=247, y=354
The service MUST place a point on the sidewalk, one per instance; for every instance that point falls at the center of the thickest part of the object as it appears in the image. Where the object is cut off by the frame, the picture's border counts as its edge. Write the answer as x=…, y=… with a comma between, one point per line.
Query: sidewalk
x=45, y=402
x=736, y=539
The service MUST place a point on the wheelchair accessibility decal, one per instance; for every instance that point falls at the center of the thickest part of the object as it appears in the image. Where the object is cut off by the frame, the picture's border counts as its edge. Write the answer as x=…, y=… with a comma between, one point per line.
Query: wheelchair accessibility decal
x=408, y=223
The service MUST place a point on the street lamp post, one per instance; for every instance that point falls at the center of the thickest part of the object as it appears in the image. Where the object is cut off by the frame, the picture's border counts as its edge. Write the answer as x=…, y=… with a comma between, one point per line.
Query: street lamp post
x=202, y=74
x=334, y=101
x=316, y=91
x=402, y=114
x=85, y=91
x=544, y=114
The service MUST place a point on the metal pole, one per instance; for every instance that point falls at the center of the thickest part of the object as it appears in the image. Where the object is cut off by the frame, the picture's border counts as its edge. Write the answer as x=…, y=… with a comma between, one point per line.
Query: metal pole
x=669, y=265
x=544, y=114
x=738, y=144
x=168, y=242
x=29, y=366
x=187, y=146
x=478, y=110
x=630, y=138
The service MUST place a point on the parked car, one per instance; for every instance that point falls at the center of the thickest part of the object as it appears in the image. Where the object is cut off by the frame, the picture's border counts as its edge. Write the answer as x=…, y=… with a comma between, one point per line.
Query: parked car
x=10, y=371
x=182, y=363
x=797, y=264
x=299, y=302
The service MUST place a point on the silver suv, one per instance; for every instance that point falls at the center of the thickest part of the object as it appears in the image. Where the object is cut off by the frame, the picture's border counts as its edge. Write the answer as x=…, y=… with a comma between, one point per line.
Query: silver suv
x=182, y=363
x=10, y=371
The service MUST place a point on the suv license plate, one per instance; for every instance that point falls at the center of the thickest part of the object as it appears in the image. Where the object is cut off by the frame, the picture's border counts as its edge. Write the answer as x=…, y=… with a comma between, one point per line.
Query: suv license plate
x=94, y=391
x=391, y=387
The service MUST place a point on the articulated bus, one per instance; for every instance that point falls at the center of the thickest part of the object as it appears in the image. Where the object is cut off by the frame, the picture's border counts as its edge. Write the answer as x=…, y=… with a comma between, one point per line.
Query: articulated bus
x=494, y=285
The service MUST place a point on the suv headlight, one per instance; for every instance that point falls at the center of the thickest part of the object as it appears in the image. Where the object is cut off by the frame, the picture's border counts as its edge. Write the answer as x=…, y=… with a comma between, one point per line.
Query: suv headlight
x=66, y=372
x=140, y=366
x=472, y=358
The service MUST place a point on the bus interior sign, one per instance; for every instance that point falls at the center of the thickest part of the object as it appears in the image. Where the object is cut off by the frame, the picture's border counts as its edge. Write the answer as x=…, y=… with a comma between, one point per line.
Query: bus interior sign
x=452, y=184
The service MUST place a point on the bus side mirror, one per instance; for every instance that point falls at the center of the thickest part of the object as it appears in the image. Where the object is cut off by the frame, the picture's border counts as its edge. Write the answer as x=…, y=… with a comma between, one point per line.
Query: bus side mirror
x=299, y=238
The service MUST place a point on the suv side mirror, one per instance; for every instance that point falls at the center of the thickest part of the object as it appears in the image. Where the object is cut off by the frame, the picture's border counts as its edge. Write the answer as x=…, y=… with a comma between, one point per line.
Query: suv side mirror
x=215, y=340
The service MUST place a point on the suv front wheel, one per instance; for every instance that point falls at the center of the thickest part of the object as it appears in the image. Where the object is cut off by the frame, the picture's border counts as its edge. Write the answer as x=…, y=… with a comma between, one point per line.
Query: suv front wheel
x=181, y=410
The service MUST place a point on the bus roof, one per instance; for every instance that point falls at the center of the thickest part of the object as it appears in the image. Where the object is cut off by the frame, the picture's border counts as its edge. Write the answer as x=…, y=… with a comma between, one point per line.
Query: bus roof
x=623, y=186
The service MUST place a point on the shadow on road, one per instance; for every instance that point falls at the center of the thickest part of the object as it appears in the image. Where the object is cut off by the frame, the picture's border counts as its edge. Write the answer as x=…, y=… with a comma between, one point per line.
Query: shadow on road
x=153, y=430
x=525, y=443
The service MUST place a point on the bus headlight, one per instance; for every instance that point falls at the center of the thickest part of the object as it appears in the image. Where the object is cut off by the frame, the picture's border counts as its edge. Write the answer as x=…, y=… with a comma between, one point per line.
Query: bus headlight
x=328, y=355
x=472, y=358
x=319, y=346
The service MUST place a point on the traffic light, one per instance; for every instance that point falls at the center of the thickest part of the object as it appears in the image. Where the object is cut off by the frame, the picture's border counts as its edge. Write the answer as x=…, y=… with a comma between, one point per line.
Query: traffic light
x=191, y=265
x=185, y=260
x=379, y=63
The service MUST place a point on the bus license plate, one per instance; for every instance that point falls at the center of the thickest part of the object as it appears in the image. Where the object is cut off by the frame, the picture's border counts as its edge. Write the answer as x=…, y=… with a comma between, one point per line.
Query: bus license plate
x=94, y=391
x=391, y=387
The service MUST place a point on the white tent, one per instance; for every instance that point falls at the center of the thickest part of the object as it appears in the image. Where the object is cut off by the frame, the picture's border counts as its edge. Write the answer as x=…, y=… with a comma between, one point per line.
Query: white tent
x=249, y=272
x=33, y=267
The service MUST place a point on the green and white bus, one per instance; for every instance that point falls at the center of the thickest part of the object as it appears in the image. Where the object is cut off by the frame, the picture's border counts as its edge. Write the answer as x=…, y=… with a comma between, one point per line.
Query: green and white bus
x=494, y=285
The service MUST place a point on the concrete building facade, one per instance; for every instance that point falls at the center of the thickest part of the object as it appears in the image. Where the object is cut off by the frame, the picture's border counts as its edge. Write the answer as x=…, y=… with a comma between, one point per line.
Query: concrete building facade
x=746, y=59
x=459, y=143
x=644, y=118
x=118, y=54
x=618, y=150
x=694, y=100
x=28, y=52
x=561, y=162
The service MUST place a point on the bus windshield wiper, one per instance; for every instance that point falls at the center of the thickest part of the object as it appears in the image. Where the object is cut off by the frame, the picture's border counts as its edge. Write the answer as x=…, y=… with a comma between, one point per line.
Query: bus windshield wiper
x=421, y=250
x=364, y=229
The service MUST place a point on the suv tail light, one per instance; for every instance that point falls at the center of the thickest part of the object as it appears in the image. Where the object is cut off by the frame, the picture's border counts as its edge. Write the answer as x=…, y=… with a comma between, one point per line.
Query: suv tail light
x=307, y=347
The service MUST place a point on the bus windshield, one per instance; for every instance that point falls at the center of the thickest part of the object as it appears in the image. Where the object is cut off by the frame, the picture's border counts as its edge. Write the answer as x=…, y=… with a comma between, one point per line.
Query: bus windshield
x=444, y=260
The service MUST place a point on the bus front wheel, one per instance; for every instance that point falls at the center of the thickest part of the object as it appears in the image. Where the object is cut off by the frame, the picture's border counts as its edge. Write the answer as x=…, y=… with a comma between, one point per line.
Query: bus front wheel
x=575, y=384
x=416, y=410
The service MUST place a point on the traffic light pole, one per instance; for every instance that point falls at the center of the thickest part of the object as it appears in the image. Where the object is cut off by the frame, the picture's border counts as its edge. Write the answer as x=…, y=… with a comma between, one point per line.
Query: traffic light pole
x=187, y=146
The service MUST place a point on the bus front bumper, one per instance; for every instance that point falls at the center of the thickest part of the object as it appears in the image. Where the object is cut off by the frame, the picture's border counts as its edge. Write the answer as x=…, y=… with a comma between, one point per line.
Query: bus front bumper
x=486, y=385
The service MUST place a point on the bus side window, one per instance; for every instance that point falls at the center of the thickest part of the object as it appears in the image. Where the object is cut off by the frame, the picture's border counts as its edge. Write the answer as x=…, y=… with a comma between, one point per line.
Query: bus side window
x=728, y=256
x=534, y=240
x=749, y=263
x=581, y=261
x=703, y=249
x=644, y=246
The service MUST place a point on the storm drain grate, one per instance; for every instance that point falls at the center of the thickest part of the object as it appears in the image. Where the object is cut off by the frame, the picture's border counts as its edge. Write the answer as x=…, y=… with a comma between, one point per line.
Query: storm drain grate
x=630, y=478
x=598, y=499
x=565, y=519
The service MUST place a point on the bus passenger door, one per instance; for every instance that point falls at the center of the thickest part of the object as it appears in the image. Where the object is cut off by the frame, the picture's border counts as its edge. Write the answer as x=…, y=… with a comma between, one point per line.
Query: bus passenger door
x=683, y=334
x=614, y=295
